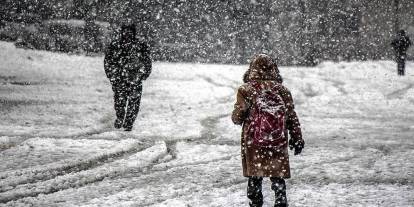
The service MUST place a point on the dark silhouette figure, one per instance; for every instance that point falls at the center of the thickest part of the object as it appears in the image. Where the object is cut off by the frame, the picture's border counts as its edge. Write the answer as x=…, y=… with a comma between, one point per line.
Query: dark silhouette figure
x=401, y=44
x=127, y=63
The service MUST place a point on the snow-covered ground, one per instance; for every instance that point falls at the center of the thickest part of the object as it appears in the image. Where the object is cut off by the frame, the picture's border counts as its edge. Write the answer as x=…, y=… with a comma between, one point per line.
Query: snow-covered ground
x=58, y=147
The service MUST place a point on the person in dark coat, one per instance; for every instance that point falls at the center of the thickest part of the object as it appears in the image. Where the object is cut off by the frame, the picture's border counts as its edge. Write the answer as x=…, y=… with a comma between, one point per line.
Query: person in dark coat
x=263, y=162
x=127, y=63
x=401, y=44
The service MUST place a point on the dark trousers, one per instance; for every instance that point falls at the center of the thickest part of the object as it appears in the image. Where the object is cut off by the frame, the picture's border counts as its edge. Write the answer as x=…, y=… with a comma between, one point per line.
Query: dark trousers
x=127, y=99
x=254, y=191
x=400, y=59
x=401, y=66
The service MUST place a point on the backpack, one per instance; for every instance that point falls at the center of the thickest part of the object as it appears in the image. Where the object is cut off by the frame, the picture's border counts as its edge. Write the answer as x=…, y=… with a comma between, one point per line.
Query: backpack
x=267, y=123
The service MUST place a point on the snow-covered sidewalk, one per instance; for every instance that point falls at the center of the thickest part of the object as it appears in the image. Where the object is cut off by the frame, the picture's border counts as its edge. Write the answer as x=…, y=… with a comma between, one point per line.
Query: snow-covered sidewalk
x=58, y=146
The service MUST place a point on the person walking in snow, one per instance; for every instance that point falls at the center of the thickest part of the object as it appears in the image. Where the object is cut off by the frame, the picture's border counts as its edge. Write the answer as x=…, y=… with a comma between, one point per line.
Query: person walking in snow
x=127, y=63
x=265, y=109
x=401, y=44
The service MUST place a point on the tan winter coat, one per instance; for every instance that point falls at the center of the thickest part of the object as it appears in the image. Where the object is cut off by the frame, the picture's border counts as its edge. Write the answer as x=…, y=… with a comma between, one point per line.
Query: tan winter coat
x=257, y=161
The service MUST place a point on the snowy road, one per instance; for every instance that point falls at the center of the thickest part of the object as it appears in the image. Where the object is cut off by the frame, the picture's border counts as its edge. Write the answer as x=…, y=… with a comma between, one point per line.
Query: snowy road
x=58, y=147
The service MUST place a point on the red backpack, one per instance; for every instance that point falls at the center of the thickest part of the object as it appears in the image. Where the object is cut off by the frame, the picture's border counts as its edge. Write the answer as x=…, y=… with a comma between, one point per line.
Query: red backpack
x=267, y=118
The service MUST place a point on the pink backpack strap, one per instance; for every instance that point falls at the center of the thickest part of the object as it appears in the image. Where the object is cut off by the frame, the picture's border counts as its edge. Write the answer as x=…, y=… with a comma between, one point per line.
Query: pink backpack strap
x=257, y=86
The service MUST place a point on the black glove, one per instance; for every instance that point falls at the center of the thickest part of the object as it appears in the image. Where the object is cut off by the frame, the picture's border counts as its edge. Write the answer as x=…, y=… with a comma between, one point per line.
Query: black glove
x=298, y=146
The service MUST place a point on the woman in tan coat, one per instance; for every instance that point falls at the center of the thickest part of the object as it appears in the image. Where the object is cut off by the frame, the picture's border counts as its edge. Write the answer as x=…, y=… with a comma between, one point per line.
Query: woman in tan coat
x=259, y=162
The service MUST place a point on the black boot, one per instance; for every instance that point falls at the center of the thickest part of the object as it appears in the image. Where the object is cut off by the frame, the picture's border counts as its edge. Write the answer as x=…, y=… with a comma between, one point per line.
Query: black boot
x=118, y=124
x=279, y=186
x=128, y=128
x=254, y=191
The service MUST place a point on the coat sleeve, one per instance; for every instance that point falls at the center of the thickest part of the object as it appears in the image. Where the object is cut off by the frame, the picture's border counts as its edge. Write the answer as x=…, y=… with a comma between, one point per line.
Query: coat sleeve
x=246, y=76
x=110, y=63
x=394, y=43
x=146, y=58
x=241, y=107
x=292, y=120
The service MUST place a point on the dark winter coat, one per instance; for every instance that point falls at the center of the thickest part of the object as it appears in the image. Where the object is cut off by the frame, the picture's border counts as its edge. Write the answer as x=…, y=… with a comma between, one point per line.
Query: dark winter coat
x=257, y=161
x=127, y=63
x=401, y=44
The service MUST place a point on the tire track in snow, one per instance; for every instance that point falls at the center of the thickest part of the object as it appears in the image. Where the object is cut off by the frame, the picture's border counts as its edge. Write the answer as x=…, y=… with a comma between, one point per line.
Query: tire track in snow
x=217, y=84
x=7, y=142
x=337, y=84
x=180, y=167
x=163, y=168
x=104, y=126
x=143, y=160
x=209, y=125
x=208, y=134
x=10, y=180
x=400, y=92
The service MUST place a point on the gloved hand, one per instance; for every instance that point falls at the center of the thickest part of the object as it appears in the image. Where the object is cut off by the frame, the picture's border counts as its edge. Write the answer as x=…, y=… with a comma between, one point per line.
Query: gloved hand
x=298, y=146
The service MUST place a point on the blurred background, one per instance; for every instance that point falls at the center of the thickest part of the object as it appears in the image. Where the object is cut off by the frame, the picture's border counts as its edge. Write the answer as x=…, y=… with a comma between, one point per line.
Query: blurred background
x=296, y=32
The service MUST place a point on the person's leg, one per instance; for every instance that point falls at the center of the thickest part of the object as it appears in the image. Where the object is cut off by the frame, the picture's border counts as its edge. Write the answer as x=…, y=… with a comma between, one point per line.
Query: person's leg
x=120, y=99
x=134, y=101
x=279, y=186
x=254, y=191
x=403, y=67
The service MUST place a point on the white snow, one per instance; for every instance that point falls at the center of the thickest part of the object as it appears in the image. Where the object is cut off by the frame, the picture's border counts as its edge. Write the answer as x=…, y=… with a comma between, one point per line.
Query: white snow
x=58, y=146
